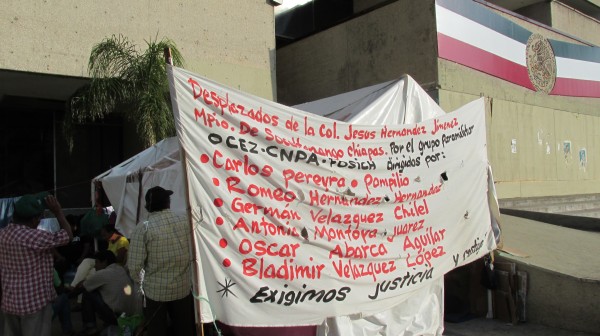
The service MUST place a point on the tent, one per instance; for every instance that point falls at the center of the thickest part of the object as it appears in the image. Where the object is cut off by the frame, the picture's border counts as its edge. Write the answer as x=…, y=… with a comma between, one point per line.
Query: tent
x=400, y=101
x=126, y=184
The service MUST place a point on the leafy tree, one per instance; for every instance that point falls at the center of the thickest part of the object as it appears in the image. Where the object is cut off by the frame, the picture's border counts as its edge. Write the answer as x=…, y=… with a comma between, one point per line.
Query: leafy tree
x=129, y=82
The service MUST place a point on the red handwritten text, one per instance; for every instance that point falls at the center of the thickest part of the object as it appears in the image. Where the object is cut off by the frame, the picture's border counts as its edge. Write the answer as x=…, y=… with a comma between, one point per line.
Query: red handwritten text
x=315, y=179
x=240, y=166
x=286, y=270
x=414, y=209
x=358, y=252
x=344, y=234
x=330, y=217
x=350, y=270
x=421, y=241
x=393, y=182
x=239, y=206
x=265, y=228
x=318, y=199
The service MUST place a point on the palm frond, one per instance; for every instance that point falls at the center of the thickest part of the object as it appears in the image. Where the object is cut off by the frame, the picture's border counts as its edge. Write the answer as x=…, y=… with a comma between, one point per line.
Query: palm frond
x=99, y=99
x=154, y=118
x=112, y=57
x=124, y=80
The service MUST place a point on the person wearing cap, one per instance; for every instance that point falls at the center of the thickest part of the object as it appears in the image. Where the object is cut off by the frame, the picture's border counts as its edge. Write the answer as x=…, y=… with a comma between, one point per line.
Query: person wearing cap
x=26, y=266
x=161, y=247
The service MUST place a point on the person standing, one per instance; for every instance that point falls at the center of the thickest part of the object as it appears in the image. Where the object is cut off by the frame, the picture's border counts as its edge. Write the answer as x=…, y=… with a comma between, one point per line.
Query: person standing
x=26, y=266
x=161, y=247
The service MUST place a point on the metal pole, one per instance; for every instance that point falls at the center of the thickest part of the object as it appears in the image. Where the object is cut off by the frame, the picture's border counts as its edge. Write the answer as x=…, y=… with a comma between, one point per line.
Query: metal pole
x=169, y=60
x=140, y=176
x=54, y=149
x=168, y=57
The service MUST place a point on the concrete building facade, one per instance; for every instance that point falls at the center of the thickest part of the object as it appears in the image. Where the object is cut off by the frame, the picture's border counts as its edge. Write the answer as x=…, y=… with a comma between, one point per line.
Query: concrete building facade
x=44, y=58
x=539, y=144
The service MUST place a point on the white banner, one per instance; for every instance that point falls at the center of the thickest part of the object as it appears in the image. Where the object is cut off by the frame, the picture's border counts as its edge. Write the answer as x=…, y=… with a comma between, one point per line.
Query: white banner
x=298, y=217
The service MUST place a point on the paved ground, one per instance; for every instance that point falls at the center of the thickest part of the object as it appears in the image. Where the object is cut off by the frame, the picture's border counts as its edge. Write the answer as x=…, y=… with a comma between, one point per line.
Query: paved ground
x=491, y=327
x=475, y=327
x=536, y=243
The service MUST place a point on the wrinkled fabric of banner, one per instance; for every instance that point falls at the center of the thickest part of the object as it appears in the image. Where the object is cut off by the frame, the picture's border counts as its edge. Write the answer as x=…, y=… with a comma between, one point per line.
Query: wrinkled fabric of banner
x=298, y=217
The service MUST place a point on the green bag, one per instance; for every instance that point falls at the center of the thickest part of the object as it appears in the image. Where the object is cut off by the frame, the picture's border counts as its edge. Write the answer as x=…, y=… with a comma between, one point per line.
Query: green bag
x=128, y=324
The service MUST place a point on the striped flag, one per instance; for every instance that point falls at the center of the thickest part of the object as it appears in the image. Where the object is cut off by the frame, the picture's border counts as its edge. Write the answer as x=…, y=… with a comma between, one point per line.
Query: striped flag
x=472, y=35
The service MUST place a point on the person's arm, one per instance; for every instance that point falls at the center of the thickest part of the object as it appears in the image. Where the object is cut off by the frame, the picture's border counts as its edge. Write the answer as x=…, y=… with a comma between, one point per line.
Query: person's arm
x=121, y=255
x=83, y=271
x=96, y=280
x=122, y=247
x=56, y=209
x=86, y=251
x=137, y=253
x=58, y=257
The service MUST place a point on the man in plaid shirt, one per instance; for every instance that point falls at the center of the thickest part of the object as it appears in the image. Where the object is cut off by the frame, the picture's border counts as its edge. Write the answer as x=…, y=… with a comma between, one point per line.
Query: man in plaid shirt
x=26, y=266
x=161, y=246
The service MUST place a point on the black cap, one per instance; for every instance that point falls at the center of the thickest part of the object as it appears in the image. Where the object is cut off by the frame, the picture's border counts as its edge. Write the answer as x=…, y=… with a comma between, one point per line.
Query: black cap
x=157, y=198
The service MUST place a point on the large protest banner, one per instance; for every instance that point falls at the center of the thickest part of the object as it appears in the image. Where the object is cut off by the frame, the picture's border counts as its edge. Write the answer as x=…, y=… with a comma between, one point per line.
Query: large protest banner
x=299, y=217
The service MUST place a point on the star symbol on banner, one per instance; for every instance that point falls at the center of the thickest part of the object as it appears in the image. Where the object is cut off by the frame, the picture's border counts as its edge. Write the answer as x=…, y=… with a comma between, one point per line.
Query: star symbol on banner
x=226, y=288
